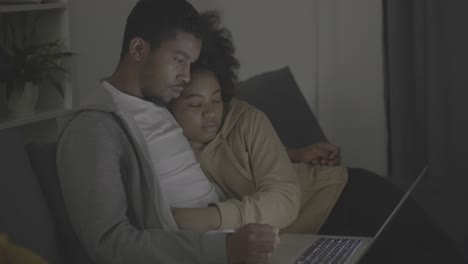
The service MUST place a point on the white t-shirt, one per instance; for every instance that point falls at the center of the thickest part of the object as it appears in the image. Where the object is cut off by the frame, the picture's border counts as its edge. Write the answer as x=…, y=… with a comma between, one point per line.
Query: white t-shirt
x=183, y=182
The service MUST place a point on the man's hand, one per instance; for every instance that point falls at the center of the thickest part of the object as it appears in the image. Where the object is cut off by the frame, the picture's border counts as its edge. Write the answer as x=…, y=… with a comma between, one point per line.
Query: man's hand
x=253, y=243
x=319, y=153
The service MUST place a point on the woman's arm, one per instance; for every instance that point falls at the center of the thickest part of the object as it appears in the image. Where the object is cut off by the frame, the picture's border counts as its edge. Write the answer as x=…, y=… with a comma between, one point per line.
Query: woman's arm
x=277, y=197
x=318, y=153
x=197, y=219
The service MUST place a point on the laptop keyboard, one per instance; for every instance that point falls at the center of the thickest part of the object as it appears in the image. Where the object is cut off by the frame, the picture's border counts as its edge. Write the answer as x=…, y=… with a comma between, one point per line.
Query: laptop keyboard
x=329, y=250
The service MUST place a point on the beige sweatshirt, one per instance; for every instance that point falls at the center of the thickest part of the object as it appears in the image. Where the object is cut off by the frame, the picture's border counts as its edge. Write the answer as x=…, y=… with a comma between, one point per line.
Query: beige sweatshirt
x=249, y=162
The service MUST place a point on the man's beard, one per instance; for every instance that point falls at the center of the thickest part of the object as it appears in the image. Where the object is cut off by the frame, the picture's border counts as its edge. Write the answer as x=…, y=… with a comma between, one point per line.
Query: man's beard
x=145, y=81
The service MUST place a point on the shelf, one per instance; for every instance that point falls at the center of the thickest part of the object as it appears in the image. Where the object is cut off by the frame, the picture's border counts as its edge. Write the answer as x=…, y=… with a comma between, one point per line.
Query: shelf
x=7, y=8
x=14, y=122
x=53, y=25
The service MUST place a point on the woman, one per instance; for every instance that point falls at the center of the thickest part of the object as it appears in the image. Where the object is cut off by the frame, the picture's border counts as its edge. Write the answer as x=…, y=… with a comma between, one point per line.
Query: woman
x=239, y=150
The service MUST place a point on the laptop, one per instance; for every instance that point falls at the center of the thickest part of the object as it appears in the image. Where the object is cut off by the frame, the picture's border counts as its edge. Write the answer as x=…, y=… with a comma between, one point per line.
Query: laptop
x=306, y=248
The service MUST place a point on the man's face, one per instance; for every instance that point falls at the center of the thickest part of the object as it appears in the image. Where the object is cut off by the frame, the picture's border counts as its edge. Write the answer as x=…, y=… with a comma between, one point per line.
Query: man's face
x=167, y=68
x=199, y=110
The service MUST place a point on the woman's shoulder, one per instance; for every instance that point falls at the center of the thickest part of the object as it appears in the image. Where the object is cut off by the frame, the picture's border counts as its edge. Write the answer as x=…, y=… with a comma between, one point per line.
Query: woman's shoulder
x=243, y=116
x=242, y=110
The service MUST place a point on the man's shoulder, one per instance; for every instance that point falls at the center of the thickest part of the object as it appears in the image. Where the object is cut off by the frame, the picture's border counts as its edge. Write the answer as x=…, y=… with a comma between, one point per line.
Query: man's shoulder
x=89, y=120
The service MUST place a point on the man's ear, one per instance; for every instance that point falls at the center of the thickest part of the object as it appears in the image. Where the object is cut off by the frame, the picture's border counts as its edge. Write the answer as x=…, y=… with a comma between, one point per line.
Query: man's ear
x=139, y=49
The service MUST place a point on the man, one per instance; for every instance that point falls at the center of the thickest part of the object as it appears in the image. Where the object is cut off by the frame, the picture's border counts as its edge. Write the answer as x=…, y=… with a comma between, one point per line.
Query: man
x=110, y=187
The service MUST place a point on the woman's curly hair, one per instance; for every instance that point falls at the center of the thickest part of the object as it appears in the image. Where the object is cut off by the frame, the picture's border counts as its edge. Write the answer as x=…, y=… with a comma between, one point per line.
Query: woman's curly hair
x=217, y=54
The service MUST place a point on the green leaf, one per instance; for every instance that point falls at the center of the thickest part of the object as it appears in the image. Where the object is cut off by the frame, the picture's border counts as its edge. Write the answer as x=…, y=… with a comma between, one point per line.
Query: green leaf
x=28, y=61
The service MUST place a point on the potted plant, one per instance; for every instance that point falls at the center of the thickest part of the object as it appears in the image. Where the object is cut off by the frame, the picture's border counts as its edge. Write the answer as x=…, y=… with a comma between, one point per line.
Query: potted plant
x=28, y=65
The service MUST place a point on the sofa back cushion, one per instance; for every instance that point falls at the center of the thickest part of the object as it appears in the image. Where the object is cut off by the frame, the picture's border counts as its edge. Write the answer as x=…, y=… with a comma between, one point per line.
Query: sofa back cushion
x=277, y=94
x=43, y=162
x=25, y=216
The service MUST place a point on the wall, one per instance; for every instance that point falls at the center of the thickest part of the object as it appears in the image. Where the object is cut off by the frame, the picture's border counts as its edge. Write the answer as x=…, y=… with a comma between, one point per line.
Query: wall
x=271, y=34
x=350, y=88
x=334, y=49
x=96, y=35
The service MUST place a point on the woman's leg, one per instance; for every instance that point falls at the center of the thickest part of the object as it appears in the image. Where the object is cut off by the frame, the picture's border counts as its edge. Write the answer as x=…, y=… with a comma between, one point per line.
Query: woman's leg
x=411, y=237
x=365, y=203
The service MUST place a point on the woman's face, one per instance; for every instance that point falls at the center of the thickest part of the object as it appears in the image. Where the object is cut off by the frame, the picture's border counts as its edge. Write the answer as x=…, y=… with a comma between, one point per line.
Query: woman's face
x=199, y=109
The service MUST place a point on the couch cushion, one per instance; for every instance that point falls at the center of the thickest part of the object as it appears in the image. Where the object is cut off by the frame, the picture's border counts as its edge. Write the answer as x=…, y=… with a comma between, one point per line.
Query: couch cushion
x=277, y=94
x=43, y=161
x=25, y=216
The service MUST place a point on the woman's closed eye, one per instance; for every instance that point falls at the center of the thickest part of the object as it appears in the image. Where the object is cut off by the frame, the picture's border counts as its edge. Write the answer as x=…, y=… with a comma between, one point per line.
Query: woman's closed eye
x=194, y=104
x=199, y=105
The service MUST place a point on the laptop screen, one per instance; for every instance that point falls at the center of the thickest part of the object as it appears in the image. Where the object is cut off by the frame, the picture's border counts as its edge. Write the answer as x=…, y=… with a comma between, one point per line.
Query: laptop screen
x=402, y=201
x=394, y=214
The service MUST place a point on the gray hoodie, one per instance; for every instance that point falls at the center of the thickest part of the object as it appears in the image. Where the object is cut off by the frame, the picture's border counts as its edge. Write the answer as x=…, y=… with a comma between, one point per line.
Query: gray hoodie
x=109, y=191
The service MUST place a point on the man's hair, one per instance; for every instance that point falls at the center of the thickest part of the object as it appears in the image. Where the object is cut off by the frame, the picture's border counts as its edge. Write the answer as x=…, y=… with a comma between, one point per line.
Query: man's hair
x=217, y=55
x=157, y=20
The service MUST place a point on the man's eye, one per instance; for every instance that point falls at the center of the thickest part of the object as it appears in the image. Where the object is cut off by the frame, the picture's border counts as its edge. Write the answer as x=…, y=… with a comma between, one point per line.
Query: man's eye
x=179, y=60
x=195, y=105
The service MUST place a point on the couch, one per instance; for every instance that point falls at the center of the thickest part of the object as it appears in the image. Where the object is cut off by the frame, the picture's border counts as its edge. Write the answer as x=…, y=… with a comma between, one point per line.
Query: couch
x=25, y=214
x=32, y=210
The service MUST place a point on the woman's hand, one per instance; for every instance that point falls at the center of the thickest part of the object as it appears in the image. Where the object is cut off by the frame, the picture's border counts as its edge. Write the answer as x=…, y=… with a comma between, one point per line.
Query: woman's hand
x=197, y=219
x=319, y=153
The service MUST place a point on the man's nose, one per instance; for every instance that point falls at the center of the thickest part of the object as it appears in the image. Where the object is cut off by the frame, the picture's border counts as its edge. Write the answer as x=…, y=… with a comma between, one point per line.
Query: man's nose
x=185, y=74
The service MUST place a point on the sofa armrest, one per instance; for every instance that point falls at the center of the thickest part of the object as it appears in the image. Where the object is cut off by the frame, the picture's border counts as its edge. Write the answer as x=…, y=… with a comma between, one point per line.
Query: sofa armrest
x=25, y=215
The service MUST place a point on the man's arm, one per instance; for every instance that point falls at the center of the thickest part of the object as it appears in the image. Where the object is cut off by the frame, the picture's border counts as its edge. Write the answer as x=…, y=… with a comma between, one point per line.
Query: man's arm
x=88, y=161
